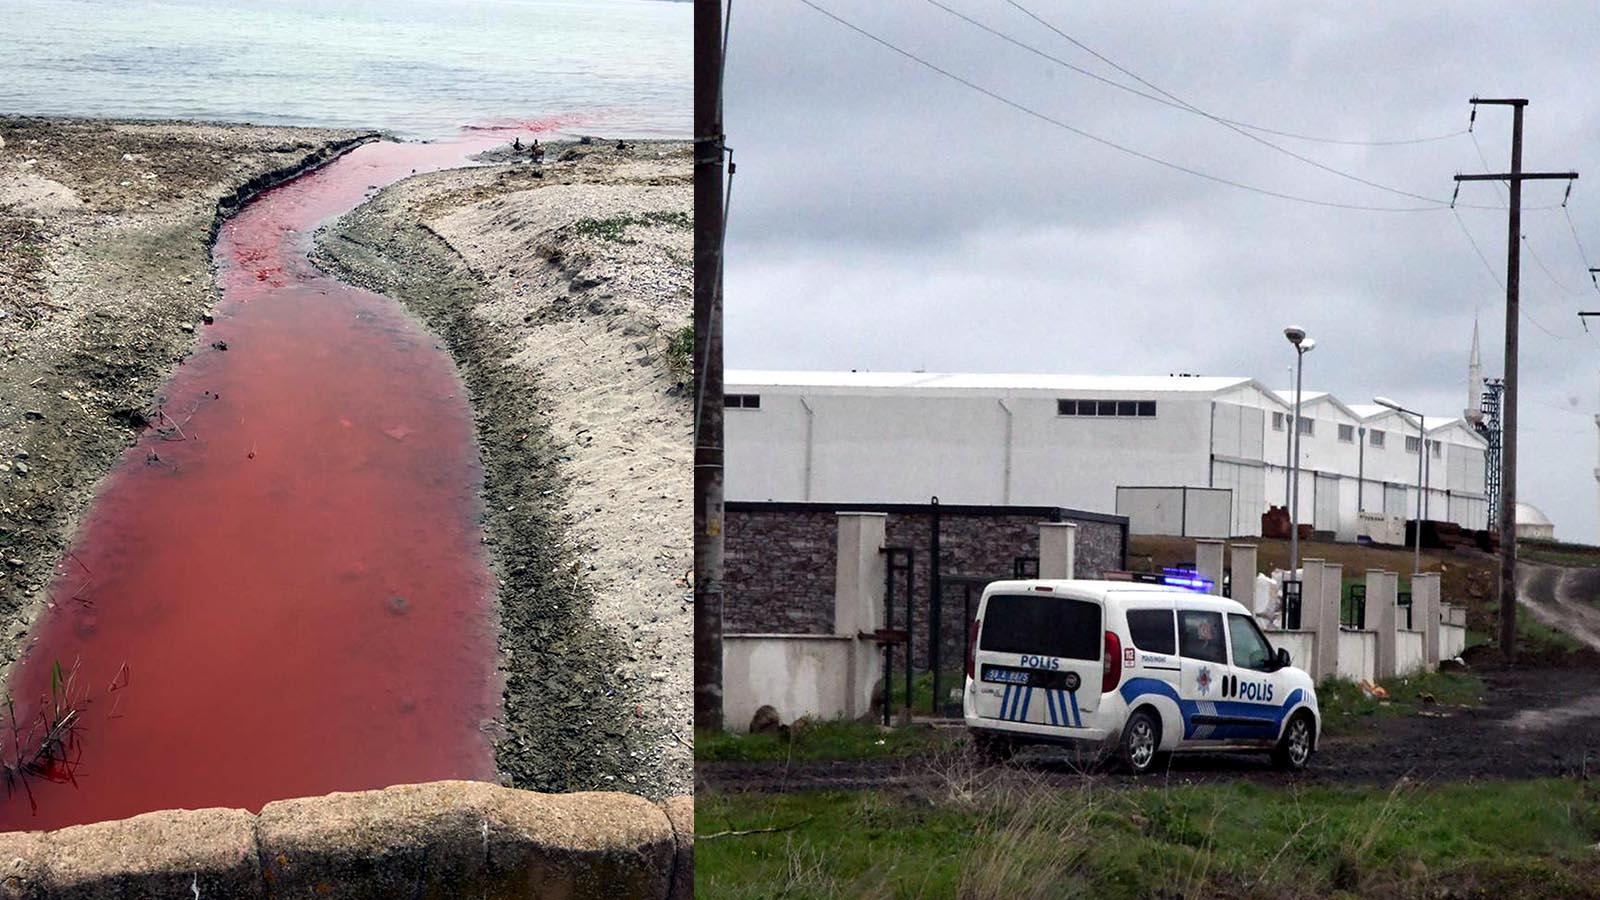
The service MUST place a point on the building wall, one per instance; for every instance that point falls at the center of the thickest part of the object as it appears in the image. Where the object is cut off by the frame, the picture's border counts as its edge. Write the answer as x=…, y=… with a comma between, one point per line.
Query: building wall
x=779, y=562
x=1010, y=447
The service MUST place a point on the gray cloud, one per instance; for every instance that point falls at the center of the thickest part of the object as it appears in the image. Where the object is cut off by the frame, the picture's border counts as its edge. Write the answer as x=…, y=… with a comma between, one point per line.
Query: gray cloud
x=887, y=218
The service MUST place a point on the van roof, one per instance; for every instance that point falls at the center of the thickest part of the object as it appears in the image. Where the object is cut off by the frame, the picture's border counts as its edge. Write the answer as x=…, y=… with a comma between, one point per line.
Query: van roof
x=1198, y=600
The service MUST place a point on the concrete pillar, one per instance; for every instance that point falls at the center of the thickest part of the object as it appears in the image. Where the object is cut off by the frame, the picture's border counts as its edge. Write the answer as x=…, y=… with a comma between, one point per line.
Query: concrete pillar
x=1243, y=569
x=1208, y=562
x=1382, y=618
x=1328, y=616
x=1058, y=550
x=1310, y=620
x=858, y=603
x=1425, y=615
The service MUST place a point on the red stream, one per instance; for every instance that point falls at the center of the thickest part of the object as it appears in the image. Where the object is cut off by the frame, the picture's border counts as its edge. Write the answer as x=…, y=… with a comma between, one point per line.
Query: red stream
x=285, y=593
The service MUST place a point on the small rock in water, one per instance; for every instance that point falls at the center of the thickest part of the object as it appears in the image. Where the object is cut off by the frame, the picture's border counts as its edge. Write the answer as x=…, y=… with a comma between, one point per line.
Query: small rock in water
x=186, y=328
x=208, y=318
x=220, y=345
x=398, y=605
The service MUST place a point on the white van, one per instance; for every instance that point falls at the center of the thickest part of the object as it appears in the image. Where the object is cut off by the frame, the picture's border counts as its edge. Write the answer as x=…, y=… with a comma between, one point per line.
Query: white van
x=1141, y=670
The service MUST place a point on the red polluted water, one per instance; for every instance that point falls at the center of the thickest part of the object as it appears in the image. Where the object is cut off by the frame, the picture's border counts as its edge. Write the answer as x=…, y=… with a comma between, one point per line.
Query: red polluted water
x=281, y=589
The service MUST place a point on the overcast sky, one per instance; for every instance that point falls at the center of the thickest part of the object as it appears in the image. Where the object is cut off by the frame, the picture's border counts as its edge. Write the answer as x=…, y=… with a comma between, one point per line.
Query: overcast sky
x=886, y=217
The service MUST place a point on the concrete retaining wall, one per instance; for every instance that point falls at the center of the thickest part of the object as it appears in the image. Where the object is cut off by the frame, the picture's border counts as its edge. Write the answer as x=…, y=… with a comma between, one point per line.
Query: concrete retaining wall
x=1302, y=645
x=438, y=840
x=1358, y=654
x=796, y=674
x=1409, y=658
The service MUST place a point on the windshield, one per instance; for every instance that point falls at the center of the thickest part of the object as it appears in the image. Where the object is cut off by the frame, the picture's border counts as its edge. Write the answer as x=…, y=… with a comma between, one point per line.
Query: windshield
x=1250, y=647
x=1041, y=624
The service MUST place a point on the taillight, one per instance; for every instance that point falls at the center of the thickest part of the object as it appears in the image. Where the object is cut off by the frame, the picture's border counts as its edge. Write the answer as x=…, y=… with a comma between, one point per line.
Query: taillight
x=1112, y=675
x=972, y=646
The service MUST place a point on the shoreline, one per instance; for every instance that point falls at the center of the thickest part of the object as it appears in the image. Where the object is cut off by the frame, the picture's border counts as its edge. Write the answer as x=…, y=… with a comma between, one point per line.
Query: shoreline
x=105, y=275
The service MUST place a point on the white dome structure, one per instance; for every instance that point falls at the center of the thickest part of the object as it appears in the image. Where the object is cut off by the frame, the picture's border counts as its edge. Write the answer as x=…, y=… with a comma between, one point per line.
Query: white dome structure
x=1533, y=523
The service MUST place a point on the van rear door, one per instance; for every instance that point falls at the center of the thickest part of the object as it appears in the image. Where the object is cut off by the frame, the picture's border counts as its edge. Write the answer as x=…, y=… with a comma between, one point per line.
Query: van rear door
x=1038, y=658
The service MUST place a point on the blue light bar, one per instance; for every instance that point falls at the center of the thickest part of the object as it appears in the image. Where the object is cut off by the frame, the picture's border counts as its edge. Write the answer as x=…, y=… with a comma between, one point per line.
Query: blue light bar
x=1187, y=579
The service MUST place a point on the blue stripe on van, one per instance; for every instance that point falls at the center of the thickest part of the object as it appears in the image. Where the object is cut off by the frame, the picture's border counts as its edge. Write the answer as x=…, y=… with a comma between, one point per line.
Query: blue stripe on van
x=1027, y=699
x=1077, y=717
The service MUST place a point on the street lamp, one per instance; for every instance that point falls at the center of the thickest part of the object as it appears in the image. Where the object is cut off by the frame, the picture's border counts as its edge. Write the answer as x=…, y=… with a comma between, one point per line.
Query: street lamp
x=1422, y=447
x=1302, y=346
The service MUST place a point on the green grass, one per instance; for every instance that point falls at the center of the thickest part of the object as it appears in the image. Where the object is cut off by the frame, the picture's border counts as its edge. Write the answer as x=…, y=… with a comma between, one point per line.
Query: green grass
x=1558, y=553
x=819, y=740
x=1503, y=839
x=1345, y=708
x=615, y=228
x=680, y=352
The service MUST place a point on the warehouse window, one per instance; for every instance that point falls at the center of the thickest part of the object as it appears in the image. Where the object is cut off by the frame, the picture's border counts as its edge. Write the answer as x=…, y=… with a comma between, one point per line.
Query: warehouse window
x=741, y=401
x=1347, y=434
x=1308, y=426
x=1277, y=421
x=1412, y=444
x=1124, y=409
x=1435, y=446
x=1377, y=437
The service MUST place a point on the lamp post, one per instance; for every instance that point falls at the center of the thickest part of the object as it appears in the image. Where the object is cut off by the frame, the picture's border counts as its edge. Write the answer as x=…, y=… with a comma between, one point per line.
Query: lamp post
x=1302, y=346
x=1422, y=448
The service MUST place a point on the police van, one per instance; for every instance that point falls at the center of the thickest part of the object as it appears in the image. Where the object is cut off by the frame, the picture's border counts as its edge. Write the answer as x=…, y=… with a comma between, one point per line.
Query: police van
x=1139, y=670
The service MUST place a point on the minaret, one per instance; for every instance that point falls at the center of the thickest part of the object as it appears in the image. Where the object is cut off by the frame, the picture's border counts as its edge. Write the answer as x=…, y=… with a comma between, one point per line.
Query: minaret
x=1473, y=414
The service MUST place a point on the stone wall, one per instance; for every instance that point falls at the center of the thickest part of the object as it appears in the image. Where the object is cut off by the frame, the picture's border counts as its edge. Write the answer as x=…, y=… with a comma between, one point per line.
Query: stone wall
x=437, y=840
x=780, y=557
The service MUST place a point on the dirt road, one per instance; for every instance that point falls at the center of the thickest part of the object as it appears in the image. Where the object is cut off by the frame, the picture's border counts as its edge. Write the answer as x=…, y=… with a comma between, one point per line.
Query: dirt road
x=1534, y=723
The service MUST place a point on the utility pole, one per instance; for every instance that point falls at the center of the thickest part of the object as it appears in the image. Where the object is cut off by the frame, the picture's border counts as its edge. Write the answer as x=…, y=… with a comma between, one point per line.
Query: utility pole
x=708, y=224
x=1508, y=454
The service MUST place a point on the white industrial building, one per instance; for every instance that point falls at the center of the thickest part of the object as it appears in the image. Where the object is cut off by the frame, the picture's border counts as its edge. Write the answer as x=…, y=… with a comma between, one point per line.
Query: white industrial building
x=1095, y=442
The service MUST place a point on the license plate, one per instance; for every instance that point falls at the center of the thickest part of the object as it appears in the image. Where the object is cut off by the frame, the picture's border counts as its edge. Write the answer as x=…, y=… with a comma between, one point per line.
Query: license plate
x=1024, y=677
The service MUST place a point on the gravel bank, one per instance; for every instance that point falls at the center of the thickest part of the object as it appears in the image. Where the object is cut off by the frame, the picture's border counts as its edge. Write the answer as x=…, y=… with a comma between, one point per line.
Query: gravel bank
x=559, y=288
x=105, y=243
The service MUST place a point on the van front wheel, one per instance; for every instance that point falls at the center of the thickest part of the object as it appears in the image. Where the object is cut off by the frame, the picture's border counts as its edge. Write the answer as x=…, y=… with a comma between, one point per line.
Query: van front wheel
x=1141, y=742
x=1294, y=750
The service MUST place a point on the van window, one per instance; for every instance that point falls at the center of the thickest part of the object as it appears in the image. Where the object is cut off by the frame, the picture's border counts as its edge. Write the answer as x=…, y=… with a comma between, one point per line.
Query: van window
x=1151, y=630
x=1250, y=647
x=1200, y=636
x=1041, y=624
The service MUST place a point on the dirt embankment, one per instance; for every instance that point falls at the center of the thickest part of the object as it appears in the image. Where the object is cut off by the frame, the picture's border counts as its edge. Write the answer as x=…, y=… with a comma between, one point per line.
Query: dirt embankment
x=560, y=288
x=105, y=266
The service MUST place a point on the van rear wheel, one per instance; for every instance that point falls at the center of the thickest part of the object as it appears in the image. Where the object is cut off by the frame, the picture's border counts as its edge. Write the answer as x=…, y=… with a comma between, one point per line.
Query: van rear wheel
x=1140, y=747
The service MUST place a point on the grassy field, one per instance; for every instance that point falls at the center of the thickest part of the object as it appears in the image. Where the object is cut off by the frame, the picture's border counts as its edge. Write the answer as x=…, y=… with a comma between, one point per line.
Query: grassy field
x=1504, y=839
x=1345, y=710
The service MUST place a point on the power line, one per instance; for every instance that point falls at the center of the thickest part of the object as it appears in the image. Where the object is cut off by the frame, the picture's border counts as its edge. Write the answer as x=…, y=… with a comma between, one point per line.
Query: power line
x=1493, y=276
x=1172, y=100
x=1051, y=120
x=1263, y=129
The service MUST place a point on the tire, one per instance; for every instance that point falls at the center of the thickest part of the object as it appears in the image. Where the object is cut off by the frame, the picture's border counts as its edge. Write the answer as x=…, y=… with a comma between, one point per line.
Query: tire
x=1139, y=749
x=992, y=749
x=1294, y=749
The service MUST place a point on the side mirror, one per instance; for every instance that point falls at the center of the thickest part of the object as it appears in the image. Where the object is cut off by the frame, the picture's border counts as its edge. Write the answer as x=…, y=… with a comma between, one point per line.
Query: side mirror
x=1283, y=657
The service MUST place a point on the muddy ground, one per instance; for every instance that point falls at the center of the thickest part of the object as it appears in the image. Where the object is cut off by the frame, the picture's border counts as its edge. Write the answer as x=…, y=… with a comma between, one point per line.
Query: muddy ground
x=1533, y=723
x=560, y=288
x=105, y=266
